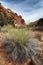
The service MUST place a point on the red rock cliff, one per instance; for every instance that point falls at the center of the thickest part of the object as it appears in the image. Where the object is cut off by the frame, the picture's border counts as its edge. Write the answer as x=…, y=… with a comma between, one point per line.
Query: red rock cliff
x=18, y=20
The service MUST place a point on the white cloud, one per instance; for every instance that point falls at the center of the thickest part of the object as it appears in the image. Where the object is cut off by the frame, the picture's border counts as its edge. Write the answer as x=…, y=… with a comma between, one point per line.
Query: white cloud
x=35, y=15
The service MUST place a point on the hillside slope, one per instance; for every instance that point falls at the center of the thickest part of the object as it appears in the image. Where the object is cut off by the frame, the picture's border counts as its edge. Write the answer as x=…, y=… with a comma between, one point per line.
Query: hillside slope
x=8, y=16
x=37, y=25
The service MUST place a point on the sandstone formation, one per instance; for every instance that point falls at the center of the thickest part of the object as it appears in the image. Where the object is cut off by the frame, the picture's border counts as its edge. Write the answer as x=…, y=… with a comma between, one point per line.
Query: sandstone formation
x=8, y=15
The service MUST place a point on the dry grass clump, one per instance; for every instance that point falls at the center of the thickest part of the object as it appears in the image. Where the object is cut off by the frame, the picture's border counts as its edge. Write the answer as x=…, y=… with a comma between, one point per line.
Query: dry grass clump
x=15, y=42
x=17, y=35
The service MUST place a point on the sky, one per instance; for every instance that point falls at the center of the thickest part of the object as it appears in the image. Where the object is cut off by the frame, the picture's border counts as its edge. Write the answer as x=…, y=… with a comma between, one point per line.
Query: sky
x=30, y=10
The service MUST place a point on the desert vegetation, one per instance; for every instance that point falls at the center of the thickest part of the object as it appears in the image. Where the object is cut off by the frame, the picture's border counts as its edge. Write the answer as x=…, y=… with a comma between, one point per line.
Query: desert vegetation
x=20, y=45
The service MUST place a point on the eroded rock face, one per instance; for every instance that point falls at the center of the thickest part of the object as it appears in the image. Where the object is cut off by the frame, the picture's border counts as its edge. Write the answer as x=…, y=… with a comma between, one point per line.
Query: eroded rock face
x=7, y=14
x=17, y=19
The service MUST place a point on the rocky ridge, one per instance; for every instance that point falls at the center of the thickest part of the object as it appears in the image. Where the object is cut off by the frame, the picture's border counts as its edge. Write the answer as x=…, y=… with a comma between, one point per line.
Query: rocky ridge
x=6, y=15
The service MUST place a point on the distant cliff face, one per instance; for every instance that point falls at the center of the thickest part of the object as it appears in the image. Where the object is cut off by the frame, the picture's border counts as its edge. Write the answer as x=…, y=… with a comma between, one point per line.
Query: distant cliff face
x=40, y=22
x=7, y=15
x=38, y=25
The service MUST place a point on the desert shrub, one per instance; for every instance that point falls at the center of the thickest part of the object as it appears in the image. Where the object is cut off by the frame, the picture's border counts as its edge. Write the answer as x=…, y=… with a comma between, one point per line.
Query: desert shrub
x=10, y=21
x=19, y=35
x=4, y=20
x=1, y=20
x=17, y=43
x=20, y=44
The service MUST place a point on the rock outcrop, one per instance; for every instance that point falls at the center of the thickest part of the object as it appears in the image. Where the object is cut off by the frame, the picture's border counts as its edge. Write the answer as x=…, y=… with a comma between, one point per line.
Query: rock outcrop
x=37, y=25
x=7, y=15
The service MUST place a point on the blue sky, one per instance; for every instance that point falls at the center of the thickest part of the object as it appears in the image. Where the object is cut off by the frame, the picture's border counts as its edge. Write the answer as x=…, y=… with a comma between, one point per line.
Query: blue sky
x=30, y=10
